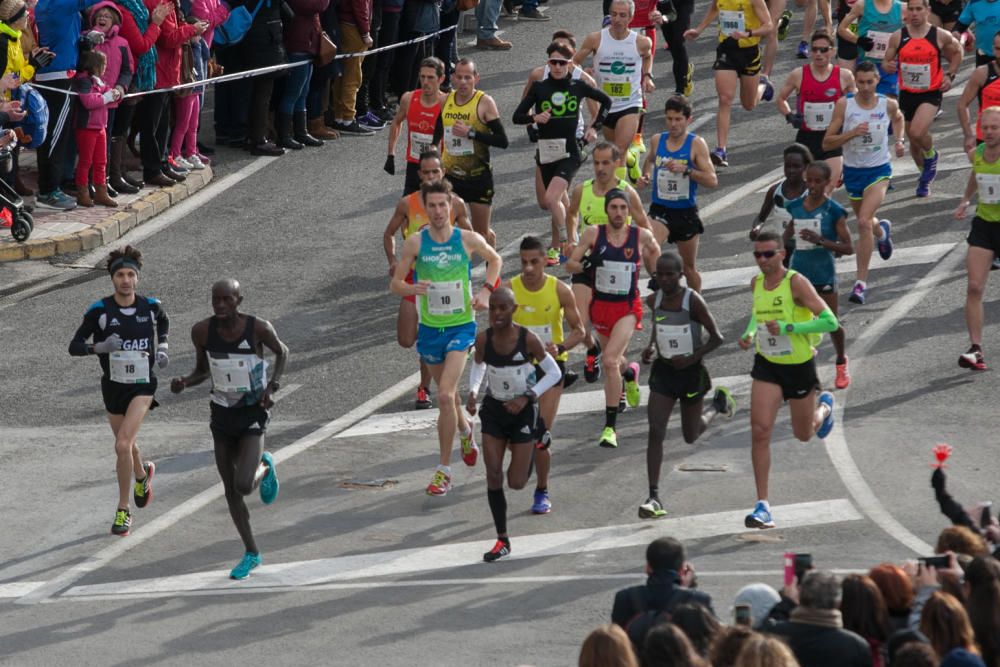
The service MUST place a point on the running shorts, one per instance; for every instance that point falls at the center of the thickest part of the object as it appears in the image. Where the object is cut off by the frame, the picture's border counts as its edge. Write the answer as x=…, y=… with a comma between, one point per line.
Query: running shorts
x=984, y=234
x=795, y=380
x=744, y=60
x=689, y=385
x=813, y=140
x=434, y=344
x=474, y=190
x=498, y=423
x=682, y=223
x=909, y=102
x=117, y=396
x=234, y=423
x=859, y=179
x=605, y=314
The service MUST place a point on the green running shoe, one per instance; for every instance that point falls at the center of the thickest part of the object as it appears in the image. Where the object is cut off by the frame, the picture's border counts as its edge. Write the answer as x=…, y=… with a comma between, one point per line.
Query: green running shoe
x=243, y=568
x=122, y=524
x=632, y=386
x=783, y=24
x=143, y=491
x=724, y=402
x=269, y=485
x=652, y=509
x=609, y=439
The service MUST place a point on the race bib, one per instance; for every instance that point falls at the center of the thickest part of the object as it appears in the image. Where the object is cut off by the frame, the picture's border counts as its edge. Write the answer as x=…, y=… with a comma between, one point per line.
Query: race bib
x=129, y=367
x=989, y=188
x=507, y=382
x=818, y=114
x=230, y=375
x=812, y=224
x=674, y=339
x=445, y=298
x=617, y=86
x=419, y=142
x=772, y=346
x=614, y=278
x=872, y=141
x=881, y=40
x=551, y=150
x=672, y=186
x=731, y=21
x=544, y=332
x=457, y=146
x=781, y=215
x=916, y=76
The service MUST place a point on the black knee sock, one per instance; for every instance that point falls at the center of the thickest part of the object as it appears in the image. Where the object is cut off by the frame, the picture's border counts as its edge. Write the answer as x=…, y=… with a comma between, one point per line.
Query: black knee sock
x=629, y=374
x=610, y=416
x=498, y=507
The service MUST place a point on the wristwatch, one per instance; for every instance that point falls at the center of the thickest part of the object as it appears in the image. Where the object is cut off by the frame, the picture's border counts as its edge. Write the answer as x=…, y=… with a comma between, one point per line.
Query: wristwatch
x=790, y=328
x=530, y=395
x=472, y=135
x=273, y=386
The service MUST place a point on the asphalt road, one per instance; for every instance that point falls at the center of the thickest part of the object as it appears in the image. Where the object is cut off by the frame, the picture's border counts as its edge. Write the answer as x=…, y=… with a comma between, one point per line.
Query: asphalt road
x=361, y=575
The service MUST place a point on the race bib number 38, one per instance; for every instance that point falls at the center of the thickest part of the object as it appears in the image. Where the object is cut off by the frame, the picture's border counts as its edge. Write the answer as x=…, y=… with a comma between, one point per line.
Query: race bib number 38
x=455, y=145
x=129, y=367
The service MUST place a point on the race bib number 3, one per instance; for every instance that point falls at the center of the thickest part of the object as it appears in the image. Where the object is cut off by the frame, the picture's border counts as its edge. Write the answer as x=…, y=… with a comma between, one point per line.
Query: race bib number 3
x=817, y=114
x=419, y=142
x=770, y=345
x=916, y=76
x=129, y=367
x=455, y=145
x=673, y=340
x=731, y=21
x=551, y=150
x=672, y=186
x=989, y=188
x=614, y=278
x=230, y=375
x=445, y=298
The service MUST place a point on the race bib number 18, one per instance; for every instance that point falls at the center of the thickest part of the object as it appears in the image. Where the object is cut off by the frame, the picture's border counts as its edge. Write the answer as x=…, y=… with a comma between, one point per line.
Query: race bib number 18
x=129, y=367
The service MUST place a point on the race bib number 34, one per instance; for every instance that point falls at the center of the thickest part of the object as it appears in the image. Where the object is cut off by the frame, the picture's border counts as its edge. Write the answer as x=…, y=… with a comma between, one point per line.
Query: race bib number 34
x=672, y=186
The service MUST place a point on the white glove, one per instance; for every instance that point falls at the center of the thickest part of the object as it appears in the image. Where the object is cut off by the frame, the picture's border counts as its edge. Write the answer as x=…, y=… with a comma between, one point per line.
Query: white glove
x=161, y=356
x=112, y=343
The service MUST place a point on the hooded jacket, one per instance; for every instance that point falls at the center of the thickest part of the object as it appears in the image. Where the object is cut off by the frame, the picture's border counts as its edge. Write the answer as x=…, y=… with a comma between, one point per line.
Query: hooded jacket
x=121, y=65
x=91, y=111
x=173, y=34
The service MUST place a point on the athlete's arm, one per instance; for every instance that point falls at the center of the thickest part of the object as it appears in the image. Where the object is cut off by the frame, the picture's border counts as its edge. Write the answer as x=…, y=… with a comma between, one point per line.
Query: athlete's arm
x=833, y=139
x=645, y=48
x=766, y=26
x=694, y=33
x=889, y=63
x=589, y=46
x=522, y=114
x=971, y=188
x=572, y=314
x=703, y=173
x=477, y=372
x=438, y=130
x=952, y=51
x=396, y=222
x=461, y=212
x=650, y=349
x=844, y=30
x=636, y=210
x=591, y=104
x=650, y=250
x=788, y=233
x=79, y=347
x=847, y=81
x=601, y=99
x=898, y=124
x=475, y=243
x=650, y=162
x=162, y=332
x=746, y=340
x=575, y=262
x=490, y=115
x=765, y=210
x=791, y=85
x=399, y=286
x=805, y=294
x=266, y=334
x=201, y=372
x=397, y=121
x=573, y=215
x=701, y=314
x=969, y=94
x=843, y=246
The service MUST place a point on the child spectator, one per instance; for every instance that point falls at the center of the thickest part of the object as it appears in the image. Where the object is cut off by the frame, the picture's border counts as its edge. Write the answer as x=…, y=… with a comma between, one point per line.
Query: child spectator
x=93, y=99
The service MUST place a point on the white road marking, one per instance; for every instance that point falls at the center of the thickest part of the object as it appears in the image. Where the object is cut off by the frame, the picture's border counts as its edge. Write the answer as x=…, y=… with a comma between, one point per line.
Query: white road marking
x=311, y=573
x=16, y=589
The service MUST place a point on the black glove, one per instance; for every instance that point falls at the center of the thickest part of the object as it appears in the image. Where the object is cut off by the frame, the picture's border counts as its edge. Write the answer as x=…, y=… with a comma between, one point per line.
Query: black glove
x=591, y=262
x=866, y=43
x=41, y=59
x=390, y=165
x=937, y=480
x=795, y=120
x=532, y=134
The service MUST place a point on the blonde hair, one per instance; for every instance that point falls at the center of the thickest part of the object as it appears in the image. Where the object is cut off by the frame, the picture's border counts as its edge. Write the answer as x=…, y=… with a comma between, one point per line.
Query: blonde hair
x=763, y=651
x=607, y=646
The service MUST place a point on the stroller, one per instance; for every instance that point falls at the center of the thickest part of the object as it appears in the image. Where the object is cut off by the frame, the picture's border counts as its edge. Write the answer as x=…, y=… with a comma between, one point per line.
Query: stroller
x=12, y=207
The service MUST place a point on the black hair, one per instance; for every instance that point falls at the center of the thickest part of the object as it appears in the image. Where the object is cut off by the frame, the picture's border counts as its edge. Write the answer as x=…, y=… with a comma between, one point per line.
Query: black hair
x=532, y=243
x=798, y=149
x=128, y=255
x=561, y=49
x=664, y=554
x=678, y=103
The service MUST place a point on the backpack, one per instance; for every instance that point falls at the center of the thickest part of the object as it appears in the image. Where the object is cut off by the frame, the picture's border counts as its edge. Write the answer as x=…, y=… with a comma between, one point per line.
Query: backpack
x=36, y=122
x=648, y=618
x=237, y=25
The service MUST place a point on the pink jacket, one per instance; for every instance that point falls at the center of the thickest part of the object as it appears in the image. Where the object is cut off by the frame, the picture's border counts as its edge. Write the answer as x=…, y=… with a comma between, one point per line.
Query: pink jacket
x=91, y=111
x=212, y=12
x=121, y=64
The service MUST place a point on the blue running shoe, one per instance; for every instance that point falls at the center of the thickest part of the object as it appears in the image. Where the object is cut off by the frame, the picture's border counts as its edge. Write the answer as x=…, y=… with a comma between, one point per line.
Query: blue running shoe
x=923, y=188
x=858, y=294
x=885, y=243
x=759, y=518
x=826, y=398
x=768, y=93
x=542, y=503
x=719, y=157
x=269, y=485
x=242, y=569
x=930, y=168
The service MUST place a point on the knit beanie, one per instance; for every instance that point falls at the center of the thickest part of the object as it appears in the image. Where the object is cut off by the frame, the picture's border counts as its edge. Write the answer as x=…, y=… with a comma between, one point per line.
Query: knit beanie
x=10, y=9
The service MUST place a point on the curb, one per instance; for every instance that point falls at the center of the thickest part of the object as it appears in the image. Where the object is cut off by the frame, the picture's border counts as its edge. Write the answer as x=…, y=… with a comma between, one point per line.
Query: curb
x=112, y=228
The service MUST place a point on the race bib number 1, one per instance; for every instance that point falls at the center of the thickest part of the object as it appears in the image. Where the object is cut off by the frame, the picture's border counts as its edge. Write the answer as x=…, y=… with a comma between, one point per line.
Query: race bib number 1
x=230, y=375
x=129, y=367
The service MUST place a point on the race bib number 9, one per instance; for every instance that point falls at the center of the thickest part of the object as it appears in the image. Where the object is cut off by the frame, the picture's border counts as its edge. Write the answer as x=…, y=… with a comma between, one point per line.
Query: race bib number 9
x=445, y=298
x=770, y=345
x=989, y=188
x=129, y=367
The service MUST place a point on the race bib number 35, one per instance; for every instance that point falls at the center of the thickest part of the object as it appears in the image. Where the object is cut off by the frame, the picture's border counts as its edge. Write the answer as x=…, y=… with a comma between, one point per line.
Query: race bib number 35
x=129, y=367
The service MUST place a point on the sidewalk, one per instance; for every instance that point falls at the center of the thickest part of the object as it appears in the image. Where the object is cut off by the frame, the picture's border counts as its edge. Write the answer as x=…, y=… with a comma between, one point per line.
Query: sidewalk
x=65, y=232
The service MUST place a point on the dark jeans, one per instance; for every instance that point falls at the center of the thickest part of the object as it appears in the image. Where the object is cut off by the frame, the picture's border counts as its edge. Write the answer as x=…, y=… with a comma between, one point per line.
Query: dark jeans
x=52, y=152
x=152, y=140
x=296, y=85
x=319, y=90
x=388, y=34
x=232, y=100
x=365, y=98
x=446, y=48
x=260, y=102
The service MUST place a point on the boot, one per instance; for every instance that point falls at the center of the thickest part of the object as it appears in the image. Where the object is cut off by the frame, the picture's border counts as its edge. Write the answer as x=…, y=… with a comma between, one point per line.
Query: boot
x=284, y=127
x=116, y=178
x=111, y=191
x=83, y=196
x=101, y=196
x=318, y=129
x=134, y=182
x=301, y=132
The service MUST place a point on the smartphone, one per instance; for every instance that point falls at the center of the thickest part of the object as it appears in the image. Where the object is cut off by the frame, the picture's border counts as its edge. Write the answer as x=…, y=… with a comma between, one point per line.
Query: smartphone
x=937, y=562
x=789, y=568
x=984, y=517
x=741, y=615
x=803, y=563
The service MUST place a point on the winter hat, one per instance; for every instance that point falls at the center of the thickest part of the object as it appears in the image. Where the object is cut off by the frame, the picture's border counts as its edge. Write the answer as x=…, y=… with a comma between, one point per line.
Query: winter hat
x=761, y=599
x=102, y=5
x=11, y=10
x=959, y=657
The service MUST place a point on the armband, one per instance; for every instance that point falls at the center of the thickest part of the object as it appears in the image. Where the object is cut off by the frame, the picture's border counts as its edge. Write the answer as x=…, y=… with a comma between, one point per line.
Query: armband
x=751, y=329
x=826, y=322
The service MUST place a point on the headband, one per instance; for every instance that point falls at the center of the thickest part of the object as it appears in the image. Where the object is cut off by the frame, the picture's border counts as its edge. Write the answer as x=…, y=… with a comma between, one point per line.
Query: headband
x=123, y=263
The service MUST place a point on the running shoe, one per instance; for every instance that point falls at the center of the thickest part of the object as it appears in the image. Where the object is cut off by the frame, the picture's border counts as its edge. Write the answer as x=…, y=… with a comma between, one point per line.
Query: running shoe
x=592, y=367
x=760, y=517
x=122, y=523
x=499, y=550
x=826, y=398
x=178, y=161
x=783, y=24
x=370, y=121
x=609, y=438
x=803, y=50
x=569, y=378
x=843, y=376
x=724, y=402
x=632, y=168
x=440, y=483
x=858, y=294
x=622, y=405
x=143, y=492
x=923, y=188
x=973, y=360
x=57, y=199
x=652, y=509
x=885, y=243
x=269, y=485
x=423, y=401
x=542, y=504
x=195, y=161
x=552, y=257
x=768, y=93
x=352, y=127
x=470, y=450
x=243, y=568
x=532, y=15
x=689, y=84
x=719, y=157
x=632, y=386
x=930, y=168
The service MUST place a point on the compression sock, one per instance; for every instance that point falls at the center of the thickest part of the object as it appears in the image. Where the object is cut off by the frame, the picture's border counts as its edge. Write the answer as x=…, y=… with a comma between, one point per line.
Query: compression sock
x=498, y=507
x=610, y=416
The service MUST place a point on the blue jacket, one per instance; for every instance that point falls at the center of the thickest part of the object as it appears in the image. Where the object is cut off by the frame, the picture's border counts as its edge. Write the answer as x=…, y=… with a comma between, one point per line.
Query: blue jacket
x=59, y=28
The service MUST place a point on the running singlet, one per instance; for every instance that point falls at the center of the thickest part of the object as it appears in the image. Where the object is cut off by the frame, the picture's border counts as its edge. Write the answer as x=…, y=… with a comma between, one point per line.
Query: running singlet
x=563, y=98
x=988, y=180
x=815, y=262
x=420, y=121
x=879, y=27
x=462, y=156
x=239, y=374
x=448, y=302
x=672, y=189
x=779, y=304
x=137, y=326
x=616, y=277
x=781, y=202
x=575, y=73
x=738, y=16
x=817, y=99
x=592, y=207
x=540, y=312
x=989, y=96
x=871, y=149
x=676, y=331
x=508, y=375
x=919, y=62
x=619, y=70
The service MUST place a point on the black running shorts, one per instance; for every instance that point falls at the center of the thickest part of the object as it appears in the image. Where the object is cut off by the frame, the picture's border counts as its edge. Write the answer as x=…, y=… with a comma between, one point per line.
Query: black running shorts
x=474, y=190
x=813, y=140
x=499, y=423
x=985, y=234
x=795, y=380
x=689, y=385
x=909, y=102
x=117, y=396
x=682, y=223
x=234, y=423
x=744, y=60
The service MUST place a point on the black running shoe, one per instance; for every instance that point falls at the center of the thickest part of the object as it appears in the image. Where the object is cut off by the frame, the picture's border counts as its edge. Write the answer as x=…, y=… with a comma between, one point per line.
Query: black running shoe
x=592, y=367
x=569, y=379
x=143, y=492
x=499, y=550
x=122, y=523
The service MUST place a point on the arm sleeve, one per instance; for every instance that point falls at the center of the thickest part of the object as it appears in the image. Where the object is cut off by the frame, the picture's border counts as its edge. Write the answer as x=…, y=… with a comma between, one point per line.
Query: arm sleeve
x=825, y=323
x=476, y=376
x=495, y=137
x=552, y=375
x=78, y=346
x=162, y=323
x=751, y=329
x=438, y=130
x=522, y=114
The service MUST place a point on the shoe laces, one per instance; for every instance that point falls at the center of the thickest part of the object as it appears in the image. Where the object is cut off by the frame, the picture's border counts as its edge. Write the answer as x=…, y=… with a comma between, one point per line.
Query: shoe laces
x=121, y=517
x=467, y=443
x=440, y=479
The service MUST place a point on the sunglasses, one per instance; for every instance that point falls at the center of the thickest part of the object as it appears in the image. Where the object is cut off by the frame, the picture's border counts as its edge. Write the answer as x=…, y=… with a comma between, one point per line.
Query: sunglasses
x=821, y=49
x=766, y=254
x=553, y=62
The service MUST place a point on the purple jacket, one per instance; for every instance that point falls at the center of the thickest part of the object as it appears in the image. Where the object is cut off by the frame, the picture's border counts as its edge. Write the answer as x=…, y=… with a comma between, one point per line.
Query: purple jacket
x=91, y=110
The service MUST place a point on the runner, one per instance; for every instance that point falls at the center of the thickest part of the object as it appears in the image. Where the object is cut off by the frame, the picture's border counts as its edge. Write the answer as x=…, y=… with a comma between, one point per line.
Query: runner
x=556, y=101
x=984, y=237
x=504, y=353
x=793, y=186
x=126, y=328
x=875, y=21
x=442, y=257
x=408, y=218
x=677, y=20
x=616, y=250
x=861, y=125
x=812, y=7
x=587, y=206
x=847, y=51
x=916, y=51
x=420, y=109
x=470, y=123
x=543, y=302
x=678, y=166
x=985, y=16
x=945, y=13
x=787, y=313
x=818, y=86
x=623, y=68
x=983, y=85
x=821, y=223
x=229, y=349
x=782, y=19
x=742, y=23
x=678, y=374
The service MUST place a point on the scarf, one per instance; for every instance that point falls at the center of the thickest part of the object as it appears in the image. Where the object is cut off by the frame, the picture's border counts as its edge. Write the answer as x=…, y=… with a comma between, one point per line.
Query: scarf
x=146, y=63
x=827, y=618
